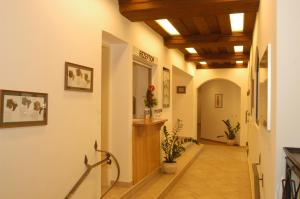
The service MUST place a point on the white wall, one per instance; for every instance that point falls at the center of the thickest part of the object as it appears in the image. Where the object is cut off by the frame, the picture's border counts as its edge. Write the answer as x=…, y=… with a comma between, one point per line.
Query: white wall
x=288, y=95
x=237, y=76
x=211, y=117
x=37, y=37
x=261, y=141
x=183, y=104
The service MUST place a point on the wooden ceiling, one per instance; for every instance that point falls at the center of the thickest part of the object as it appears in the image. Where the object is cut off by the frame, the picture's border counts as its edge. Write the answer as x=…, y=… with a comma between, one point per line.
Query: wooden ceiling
x=202, y=24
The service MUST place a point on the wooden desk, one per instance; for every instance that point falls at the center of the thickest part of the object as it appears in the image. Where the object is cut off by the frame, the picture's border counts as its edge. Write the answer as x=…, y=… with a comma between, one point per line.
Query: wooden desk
x=145, y=147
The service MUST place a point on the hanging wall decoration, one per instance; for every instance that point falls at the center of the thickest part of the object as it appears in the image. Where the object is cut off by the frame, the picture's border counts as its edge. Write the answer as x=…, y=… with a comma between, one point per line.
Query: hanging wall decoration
x=264, y=108
x=166, y=88
x=219, y=101
x=19, y=108
x=181, y=89
x=78, y=78
x=256, y=85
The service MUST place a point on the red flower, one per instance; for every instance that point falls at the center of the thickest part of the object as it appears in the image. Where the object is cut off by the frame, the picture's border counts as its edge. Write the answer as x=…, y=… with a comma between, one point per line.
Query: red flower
x=151, y=88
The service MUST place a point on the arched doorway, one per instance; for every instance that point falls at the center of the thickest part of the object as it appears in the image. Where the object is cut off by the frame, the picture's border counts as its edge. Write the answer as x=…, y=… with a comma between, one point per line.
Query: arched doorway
x=218, y=99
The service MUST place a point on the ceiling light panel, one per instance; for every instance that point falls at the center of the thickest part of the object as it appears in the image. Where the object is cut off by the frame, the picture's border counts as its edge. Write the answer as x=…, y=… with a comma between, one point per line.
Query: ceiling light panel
x=237, y=22
x=239, y=62
x=191, y=50
x=238, y=49
x=167, y=26
x=203, y=62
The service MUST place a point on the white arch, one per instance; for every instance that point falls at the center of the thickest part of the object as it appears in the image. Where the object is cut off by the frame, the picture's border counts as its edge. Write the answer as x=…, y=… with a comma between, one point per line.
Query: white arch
x=235, y=86
x=214, y=79
x=237, y=76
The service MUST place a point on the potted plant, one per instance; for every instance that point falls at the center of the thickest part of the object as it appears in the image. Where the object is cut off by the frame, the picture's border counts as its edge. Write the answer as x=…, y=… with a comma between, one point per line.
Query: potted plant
x=231, y=132
x=172, y=147
x=150, y=101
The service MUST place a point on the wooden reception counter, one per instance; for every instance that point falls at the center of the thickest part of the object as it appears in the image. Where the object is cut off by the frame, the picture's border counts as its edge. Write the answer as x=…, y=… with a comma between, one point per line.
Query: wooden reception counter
x=145, y=147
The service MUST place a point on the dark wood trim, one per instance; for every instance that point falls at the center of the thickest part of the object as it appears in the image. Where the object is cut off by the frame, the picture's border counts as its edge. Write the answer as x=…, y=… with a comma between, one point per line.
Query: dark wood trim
x=220, y=66
x=208, y=41
x=224, y=57
x=158, y=9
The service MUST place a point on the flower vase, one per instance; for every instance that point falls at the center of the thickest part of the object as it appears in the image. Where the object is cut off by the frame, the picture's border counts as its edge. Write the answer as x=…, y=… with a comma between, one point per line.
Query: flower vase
x=147, y=114
x=151, y=113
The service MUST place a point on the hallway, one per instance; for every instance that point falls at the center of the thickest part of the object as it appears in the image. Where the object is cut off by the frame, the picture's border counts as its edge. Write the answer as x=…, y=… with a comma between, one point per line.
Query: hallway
x=218, y=172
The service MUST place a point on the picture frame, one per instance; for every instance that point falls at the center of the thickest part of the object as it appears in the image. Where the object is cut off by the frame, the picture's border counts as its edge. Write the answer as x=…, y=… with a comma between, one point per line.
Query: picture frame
x=78, y=77
x=256, y=86
x=181, y=89
x=218, y=100
x=264, y=108
x=166, y=88
x=22, y=108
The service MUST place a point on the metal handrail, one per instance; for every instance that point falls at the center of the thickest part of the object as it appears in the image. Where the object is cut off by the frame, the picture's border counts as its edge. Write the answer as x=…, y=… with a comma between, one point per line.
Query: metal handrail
x=117, y=164
x=106, y=160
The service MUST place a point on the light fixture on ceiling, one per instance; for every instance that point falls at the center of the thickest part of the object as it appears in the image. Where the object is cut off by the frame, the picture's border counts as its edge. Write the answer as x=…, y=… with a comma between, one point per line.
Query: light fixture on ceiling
x=167, y=26
x=203, y=62
x=237, y=22
x=239, y=62
x=191, y=50
x=238, y=49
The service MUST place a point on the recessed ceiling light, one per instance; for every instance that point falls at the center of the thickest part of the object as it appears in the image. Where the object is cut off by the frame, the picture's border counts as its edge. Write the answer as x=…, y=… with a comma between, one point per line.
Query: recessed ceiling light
x=238, y=49
x=191, y=50
x=239, y=62
x=203, y=62
x=237, y=22
x=167, y=26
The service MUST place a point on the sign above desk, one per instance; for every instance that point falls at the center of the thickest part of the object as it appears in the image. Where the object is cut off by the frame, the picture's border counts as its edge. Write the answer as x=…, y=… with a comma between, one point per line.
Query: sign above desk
x=144, y=57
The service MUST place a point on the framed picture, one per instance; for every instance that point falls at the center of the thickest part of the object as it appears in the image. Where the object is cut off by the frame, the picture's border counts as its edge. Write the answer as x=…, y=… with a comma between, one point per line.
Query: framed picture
x=181, y=89
x=219, y=101
x=78, y=78
x=166, y=88
x=264, y=108
x=256, y=85
x=19, y=108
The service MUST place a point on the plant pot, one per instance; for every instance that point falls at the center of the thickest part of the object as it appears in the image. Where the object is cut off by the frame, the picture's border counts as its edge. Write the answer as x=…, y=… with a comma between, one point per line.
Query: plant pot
x=169, y=168
x=231, y=142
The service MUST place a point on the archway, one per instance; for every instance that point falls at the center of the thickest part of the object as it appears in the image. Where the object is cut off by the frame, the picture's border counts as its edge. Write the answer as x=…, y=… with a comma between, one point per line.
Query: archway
x=218, y=99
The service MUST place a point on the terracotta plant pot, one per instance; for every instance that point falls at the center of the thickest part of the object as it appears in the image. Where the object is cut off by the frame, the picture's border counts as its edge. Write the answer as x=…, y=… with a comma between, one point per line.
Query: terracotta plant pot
x=169, y=168
x=231, y=142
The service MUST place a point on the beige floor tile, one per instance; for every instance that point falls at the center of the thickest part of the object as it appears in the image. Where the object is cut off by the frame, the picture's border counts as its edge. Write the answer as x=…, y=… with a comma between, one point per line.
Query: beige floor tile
x=220, y=172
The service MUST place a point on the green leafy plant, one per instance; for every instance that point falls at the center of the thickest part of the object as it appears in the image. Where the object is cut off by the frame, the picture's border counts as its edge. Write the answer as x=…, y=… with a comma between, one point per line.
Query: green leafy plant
x=231, y=131
x=172, y=145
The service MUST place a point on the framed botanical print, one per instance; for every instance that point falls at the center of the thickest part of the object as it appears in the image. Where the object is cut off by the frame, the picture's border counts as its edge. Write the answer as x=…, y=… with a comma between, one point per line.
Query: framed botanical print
x=219, y=101
x=166, y=88
x=256, y=85
x=181, y=89
x=20, y=108
x=78, y=78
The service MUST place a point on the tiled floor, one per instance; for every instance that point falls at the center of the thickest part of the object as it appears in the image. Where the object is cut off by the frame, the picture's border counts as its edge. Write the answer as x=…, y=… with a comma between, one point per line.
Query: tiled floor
x=220, y=172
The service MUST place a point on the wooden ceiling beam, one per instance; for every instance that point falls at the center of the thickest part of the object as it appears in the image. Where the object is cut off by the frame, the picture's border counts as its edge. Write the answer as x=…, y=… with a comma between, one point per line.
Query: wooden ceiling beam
x=208, y=41
x=142, y=10
x=220, y=66
x=220, y=57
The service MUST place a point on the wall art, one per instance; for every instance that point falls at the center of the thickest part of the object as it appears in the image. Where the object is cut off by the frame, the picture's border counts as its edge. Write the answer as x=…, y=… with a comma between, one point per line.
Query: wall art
x=166, y=88
x=264, y=108
x=219, y=101
x=20, y=108
x=181, y=89
x=78, y=78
